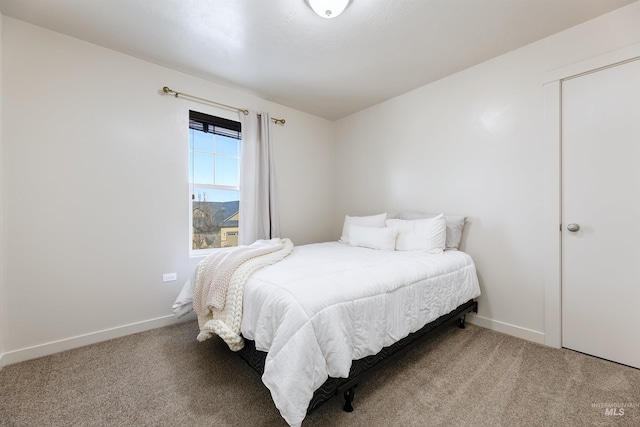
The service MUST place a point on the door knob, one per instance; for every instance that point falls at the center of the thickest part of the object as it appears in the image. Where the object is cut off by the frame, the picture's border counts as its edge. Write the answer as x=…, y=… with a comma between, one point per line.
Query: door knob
x=573, y=227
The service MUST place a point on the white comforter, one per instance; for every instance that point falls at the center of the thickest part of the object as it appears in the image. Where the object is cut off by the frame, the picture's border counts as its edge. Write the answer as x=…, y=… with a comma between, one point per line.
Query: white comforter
x=327, y=304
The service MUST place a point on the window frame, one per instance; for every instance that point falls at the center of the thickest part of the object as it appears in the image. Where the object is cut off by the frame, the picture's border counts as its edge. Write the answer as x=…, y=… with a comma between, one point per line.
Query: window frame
x=221, y=126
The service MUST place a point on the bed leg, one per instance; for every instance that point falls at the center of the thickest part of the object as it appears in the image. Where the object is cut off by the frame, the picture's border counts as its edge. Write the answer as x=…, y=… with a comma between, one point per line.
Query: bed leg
x=461, y=322
x=348, y=399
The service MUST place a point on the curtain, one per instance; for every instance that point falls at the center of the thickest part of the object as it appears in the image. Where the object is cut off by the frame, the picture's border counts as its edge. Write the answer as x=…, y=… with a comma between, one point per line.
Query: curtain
x=258, y=210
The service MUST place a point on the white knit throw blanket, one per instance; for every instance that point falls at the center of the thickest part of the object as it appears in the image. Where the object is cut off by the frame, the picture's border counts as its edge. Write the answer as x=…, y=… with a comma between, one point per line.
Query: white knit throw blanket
x=221, y=278
x=214, y=272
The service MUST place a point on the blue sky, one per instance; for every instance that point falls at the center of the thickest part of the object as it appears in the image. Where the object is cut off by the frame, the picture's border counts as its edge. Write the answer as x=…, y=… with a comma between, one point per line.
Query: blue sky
x=214, y=160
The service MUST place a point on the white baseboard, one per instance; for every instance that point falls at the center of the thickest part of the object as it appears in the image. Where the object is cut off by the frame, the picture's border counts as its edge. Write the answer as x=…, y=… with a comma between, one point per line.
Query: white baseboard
x=505, y=328
x=46, y=349
x=74, y=342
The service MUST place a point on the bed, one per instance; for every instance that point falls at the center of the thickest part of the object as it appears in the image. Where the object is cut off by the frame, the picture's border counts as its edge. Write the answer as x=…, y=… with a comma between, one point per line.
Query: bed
x=314, y=322
x=362, y=368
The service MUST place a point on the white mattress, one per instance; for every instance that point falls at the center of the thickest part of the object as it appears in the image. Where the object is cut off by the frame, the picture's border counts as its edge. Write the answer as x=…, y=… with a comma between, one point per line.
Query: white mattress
x=327, y=304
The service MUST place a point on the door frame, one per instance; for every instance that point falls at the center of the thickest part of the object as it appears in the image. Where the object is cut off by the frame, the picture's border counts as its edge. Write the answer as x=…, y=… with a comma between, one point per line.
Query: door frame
x=552, y=173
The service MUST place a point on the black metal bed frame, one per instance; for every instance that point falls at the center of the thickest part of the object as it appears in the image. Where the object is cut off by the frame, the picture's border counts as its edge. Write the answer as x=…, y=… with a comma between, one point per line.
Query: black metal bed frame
x=362, y=368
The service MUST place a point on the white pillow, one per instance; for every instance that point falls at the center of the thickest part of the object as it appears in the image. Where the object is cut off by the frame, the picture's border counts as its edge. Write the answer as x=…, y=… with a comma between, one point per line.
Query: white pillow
x=381, y=238
x=455, y=225
x=420, y=234
x=364, y=221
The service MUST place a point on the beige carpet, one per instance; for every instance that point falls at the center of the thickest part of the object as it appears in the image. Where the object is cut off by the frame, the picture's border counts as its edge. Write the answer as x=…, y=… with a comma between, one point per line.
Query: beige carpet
x=471, y=377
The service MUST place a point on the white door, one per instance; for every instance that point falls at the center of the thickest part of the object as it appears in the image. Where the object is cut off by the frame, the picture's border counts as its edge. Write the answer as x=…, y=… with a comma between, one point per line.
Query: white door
x=601, y=196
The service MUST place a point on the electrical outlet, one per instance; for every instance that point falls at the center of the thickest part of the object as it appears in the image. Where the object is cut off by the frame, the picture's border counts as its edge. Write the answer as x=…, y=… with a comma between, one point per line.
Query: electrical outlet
x=169, y=277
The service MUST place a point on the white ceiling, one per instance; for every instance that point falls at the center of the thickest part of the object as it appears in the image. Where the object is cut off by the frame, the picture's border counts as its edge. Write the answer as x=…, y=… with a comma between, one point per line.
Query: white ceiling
x=281, y=51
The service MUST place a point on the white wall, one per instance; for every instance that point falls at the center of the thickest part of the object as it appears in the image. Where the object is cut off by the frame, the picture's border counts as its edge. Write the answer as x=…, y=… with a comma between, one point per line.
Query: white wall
x=2, y=270
x=472, y=144
x=96, y=188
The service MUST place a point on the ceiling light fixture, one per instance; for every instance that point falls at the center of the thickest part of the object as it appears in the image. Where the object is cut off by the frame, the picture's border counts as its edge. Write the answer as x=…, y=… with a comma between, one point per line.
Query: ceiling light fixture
x=328, y=8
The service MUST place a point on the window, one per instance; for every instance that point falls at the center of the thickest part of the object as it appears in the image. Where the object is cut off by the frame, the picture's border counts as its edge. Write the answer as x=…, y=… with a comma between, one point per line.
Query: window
x=214, y=170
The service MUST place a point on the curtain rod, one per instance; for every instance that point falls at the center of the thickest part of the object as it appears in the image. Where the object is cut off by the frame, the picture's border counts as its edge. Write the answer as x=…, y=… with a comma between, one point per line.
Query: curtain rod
x=241, y=110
